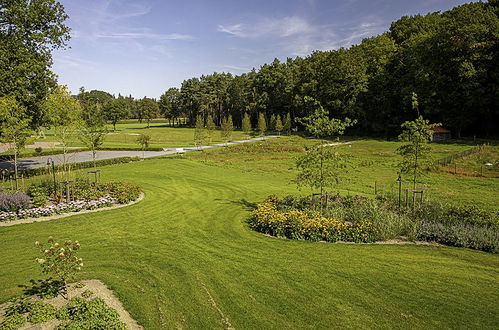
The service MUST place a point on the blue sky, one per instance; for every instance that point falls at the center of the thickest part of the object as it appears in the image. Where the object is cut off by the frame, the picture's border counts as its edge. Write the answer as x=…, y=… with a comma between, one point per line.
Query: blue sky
x=144, y=47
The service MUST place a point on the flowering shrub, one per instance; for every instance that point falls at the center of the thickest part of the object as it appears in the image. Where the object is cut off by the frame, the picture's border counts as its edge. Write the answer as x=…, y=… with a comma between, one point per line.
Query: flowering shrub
x=313, y=226
x=74, y=206
x=14, y=202
x=59, y=260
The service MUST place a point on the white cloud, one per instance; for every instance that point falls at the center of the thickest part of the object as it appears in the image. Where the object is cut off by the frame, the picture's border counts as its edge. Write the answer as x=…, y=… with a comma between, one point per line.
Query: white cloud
x=280, y=27
x=142, y=35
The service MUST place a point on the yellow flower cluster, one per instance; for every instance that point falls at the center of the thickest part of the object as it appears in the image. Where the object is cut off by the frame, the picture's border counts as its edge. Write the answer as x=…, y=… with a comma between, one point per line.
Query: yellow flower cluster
x=312, y=226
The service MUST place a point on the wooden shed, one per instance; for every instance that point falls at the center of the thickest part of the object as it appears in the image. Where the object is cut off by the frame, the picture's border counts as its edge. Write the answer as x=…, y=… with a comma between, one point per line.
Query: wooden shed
x=440, y=134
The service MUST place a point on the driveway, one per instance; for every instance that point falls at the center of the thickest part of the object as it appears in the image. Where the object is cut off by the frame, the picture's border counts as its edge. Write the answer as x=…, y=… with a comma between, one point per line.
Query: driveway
x=85, y=156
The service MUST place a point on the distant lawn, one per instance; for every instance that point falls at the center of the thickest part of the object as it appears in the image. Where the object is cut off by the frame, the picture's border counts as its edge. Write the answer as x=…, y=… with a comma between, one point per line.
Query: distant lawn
x=184, y=257
x=372, y=163
x=162, y=136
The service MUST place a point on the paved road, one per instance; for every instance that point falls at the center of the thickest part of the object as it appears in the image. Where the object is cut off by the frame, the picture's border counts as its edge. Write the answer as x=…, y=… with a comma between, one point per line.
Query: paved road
x=85, y=156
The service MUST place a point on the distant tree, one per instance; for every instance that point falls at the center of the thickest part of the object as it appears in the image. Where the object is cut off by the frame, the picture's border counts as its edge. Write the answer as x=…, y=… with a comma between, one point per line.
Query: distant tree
x=246, y=124
x=14, y=127
x=415, y=153
x=262, y=124
x=170, y=104
x=64, y=115
x=318, y=123
x=278, y=124
x=116, y=110
x=210, y=127
x=199, y=132
x=227, y=128
x=149, y=109
x=272, y=122
x=143, y=140
x=287, y=123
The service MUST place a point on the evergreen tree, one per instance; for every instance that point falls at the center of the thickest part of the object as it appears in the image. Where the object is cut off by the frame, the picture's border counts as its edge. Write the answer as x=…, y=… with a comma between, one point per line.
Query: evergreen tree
x=227, y=128
x=246, y=125
x=262, y=124
x=272, y=122
x=210, y=127
x=199, y=132
x=278, y=124
x=287, y=123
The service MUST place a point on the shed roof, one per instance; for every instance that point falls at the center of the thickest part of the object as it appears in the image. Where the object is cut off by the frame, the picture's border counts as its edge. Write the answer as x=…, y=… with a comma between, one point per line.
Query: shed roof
x=439, y=129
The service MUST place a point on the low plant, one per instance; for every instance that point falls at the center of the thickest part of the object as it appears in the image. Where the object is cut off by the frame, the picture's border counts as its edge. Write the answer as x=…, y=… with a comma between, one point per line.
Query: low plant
x=87, y=293
x=19, y=305
x=41, y=312
x=79, y=285
x=38, y=195
x=13, y=321
x=14, y=202
x=89, y=314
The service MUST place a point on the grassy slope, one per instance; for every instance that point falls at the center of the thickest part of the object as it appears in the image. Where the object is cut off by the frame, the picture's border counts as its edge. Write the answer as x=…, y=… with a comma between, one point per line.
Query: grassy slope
x=188, y=234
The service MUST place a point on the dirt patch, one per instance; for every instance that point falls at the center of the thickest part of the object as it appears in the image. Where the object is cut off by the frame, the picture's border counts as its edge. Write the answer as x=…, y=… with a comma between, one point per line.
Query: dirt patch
x=99, y=289
x=58, y=216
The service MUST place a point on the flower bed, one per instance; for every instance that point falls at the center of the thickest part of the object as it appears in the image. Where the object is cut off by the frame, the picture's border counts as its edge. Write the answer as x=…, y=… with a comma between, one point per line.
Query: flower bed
x=313, y=226
x=73, y=206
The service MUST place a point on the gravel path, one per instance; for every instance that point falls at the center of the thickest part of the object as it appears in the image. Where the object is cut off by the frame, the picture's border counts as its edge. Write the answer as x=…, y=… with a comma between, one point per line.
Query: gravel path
x=85, y=156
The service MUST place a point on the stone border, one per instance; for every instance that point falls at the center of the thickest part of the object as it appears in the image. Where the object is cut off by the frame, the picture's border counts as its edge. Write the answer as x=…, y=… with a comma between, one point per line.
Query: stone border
x=58, y=216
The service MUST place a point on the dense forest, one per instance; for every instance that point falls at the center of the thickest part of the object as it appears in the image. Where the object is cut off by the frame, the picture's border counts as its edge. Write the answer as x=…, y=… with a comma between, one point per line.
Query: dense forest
x=449, y=60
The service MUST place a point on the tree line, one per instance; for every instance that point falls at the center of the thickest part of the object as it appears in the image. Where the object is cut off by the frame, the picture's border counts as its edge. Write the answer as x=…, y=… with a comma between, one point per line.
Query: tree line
x=449, y=59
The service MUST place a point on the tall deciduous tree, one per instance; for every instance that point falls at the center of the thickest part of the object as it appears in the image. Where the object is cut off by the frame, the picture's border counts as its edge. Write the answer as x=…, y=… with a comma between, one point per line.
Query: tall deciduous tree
x=287, y=123
x=29, y=32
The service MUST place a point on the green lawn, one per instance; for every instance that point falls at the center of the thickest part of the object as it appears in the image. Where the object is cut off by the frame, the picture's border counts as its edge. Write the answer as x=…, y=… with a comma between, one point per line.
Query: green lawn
x=184, y=255
x=162, y=136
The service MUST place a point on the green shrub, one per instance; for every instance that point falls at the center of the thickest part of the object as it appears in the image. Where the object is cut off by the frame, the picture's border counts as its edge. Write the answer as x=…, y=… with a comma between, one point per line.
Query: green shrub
x=87, y=294
x=38, y=194
x=13, y=321
x=19, y=305
x=80, y=285
x=41, y=312
x=89, y=314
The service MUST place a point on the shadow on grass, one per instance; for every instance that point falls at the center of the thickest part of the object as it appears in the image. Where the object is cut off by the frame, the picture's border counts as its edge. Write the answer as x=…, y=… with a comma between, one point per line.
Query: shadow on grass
x=242, y=202
x=46, y=288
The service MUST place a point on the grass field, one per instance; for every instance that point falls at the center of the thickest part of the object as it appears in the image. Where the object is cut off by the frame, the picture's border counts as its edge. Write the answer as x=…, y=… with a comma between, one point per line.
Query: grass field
x=162, y=136
x=184, y=257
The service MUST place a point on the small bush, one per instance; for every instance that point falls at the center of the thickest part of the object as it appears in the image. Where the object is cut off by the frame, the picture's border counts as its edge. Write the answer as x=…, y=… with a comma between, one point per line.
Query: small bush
x=87, y=294
x=13, y=321
x=14, y=202
x=41, y=312
x=89, y=314
x=38, y=149
x=38, y=195
x=19, y=305
x=80, y=285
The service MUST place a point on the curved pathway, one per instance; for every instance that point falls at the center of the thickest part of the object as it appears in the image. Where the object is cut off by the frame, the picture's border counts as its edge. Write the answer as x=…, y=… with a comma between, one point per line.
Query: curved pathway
x=85, y=156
